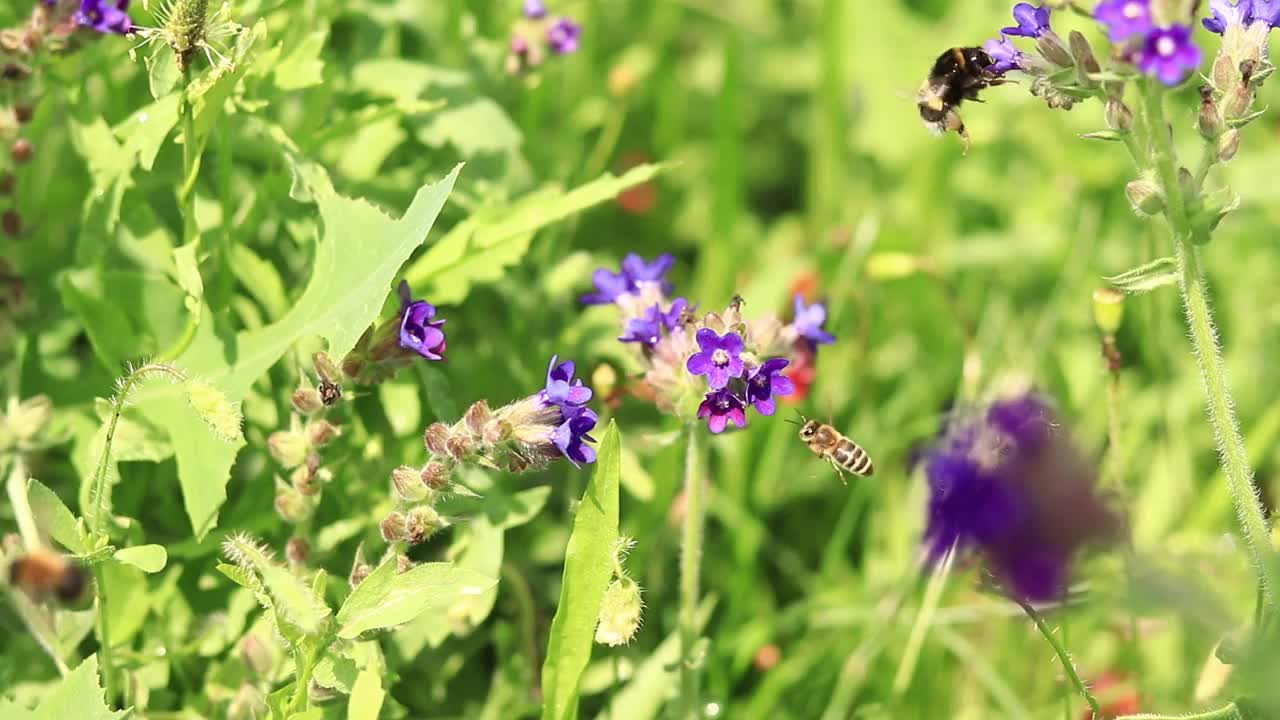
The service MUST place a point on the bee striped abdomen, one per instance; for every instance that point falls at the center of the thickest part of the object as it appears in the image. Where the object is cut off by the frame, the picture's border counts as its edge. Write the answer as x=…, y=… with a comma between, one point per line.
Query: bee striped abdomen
x=853, y=458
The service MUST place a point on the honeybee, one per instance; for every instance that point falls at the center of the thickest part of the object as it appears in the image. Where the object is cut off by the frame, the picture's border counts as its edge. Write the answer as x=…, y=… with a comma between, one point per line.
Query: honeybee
x=831, y=445
x=957, y=75
x=42, y=573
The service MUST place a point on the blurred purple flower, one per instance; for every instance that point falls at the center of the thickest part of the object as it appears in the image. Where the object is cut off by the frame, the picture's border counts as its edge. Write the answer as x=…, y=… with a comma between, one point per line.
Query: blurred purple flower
x=635, y=271
x=767, y=382
x=720, y=408
x=1005, y=54
x=1226, y=12
x=647, y=328
x=1010, y=485
x=104, y=16
x=1169, y=54
x=1032, y=21
x=561, y=388
x=418, y=331
x=534, y=9
x=563, y=36
x=571, y=436
x=1124, y=18
x=719, y=357
x=809, y=320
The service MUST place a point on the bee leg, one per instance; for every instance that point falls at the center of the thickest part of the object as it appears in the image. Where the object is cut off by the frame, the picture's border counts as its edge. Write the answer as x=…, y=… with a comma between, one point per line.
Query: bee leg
x=953, y=122
x=839, y=471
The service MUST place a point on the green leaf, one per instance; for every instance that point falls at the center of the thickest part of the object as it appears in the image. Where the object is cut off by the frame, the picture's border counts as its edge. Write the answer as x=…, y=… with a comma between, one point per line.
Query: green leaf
x=162, y=70
x=237, y=574
x=125, y=314
x=356, y=261
x=1110, y=135
x=336, y=672
x=366, y=696
x=53, y=517
x=302, y=67
x=291, y=597
x=388, y=598
x=403, y=79
x=479, y=249
x=147, y=558
x=187, y=267
x=474, y=127
x=77, y=696
x=1145, y=278
x=587, y=568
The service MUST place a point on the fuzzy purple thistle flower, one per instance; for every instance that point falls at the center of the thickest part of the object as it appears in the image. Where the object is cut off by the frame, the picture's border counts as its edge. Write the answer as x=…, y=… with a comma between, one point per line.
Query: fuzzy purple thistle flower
x=768, y=382
x=1009, y=484
x=1169, y=54
x=719, y=357
x=563, y=36
x=104, y=16
x=1032, y=21
x=418, y=331
x=1124, y=18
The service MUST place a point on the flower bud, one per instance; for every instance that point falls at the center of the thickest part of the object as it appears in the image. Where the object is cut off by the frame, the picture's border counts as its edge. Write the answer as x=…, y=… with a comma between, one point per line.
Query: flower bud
x=1145, y=197
x=1086, y=62
x=1118, y=115
x=288, y=447
x=324, y=366
x=1209, y=122
x=459, y=447
x=353, y=365
x=422, y=522
x=435, y=475
x=309, y=476
x=321, y=432
x=219, y=413
x=436, y=437
x=256, y=654
x=29, y=417
x=306, y=400
x=292, y=506
x=620, y=613
x=1224, y=73
x=7, y=183
x=1054, y=50
x=408, y=484
x=11, y=223
x=392, y=527
x=359, y=568
x=297, y=551
x=1108, y=310
x=1228, y=145
x=498, y=431
x=1237, y=101
x=477, y=417
x=330, y=393
x=23, y=113
x=21, y=151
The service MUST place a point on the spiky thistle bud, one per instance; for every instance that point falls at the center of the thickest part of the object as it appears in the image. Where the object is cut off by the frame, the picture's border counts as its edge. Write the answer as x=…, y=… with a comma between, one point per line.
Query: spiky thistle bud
x=408, y=484
x=435, y=475
x=421, y=523
x=219, y=413
x=189, y=27
x=435, y=437
x=621, y=612
x=289, y=448
x=392, y=527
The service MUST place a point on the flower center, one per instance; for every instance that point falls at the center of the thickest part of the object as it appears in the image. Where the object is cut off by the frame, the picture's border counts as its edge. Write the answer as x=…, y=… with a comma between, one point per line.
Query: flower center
x=1166, y=46
x=723, y=404
x=1133, y=10
x=720, y=357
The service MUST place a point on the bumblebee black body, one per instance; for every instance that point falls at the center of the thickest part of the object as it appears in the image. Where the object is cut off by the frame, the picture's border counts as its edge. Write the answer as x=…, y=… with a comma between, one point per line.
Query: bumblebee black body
x=957, y=75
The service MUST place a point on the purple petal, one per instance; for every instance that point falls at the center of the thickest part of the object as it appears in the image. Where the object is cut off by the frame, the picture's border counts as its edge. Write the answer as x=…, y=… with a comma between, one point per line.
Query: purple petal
x=738, y=417
x=707, y=339
x=766, y=407
x=735, y=367
x=717, y=423
x=781, y=385
x=700, y=363
x=717, y=377
x=732, y=342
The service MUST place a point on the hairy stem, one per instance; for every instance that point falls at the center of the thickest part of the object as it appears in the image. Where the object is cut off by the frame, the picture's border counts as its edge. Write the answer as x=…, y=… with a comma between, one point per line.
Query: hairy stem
x=1221, y=406
x=103, y=627
x=1063, y=656
x=191, y=152
x=1229, y=712
x=690, y=568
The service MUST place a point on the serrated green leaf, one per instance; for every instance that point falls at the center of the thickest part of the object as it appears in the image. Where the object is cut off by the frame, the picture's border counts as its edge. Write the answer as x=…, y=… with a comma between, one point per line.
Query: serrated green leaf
x=356, y=261
x=293, y=599
x=147, y=558
x=388, y=598
x=302, y=67
x=236, y=574
x=479, y=249
x=366, y=697
x=187, y=267
x=53, y=517
x=1148, y=277
x=587, y=568
x=77, y=696
x=474, y=127
x=336, y=672
x=125, y=314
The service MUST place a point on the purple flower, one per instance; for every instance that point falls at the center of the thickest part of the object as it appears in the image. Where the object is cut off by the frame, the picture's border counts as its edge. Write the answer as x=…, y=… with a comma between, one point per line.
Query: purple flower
x=571, y=436
x=1124, y=18
x=418, y=331
x=722, y=407
x=635, y=271
x=1032, y=21
x=719, y=357
x=809, y=321
x=1008, y=484
x=1005, y=54
x=563, y=36
x=104, y=16
x=1267, y=11
x=1226, y=12
x=561, y=388
x=647, y=328
x=534, y=9
x=1169, y=54
x=767, y=382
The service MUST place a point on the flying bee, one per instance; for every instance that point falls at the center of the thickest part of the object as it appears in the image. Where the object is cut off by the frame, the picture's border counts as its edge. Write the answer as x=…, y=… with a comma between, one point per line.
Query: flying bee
x=831, y=445
x=42, y=573
x=957, y=75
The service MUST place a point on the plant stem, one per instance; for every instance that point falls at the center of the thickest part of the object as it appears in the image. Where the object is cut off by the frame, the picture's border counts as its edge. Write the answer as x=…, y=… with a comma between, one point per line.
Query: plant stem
x=1229, y=712
x=1195, y=299
x=187, y=203
x=690, y=568
x=103, y=626
x=1063, y=656
x=305, y=663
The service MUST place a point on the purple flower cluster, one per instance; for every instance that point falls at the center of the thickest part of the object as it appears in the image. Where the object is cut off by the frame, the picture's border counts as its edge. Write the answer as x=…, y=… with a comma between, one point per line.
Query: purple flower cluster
x=576, y=420
x=562, y=34
x=1241, y=12
x=809, y=321
x=419, y=331
x=104, y=16
x=733, y=387
x=648, y=328
x=1166, y=53
x=1032, y=22
x=636, y=274
x=1008, y=483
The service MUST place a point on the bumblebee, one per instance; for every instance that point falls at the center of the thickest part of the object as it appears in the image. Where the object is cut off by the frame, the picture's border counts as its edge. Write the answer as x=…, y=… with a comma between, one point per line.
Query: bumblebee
x=44, y=573
x=832, y=445
x=958, y=74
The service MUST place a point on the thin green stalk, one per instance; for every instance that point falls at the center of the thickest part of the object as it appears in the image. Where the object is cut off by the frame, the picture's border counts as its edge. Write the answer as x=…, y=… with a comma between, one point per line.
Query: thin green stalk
x=527, y=616
x=1195, y=298
x=924, y=619
x=690, y=568
x=1229, y=712
x=103, y=626
x=1063, y=656
x=187, y=203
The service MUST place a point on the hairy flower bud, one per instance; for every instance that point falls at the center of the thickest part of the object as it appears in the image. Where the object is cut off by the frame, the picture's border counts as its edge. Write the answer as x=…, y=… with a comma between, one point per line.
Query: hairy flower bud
x=392, y=527
x=459, y=447
x=288, y=447
x=22, y=151
x=297, y=551
x=1118, y=115
x=477, y=417
x=436, y=437
x=408, y=484
x=28, y=418
x=435, y=475
x=325, y=367
x=1054, y=50
x=1108, y=310
x=1224, y=73
x=215, y=409
x=1228, y=145
x=307, y=401
x=1209, y=122
x=1237, y=101
x=620, y=613
x=1145, y=197
x=359, y=568
x=1086, y=62
x=421, y=523
x=256, y=654
x=292, y=506
x=321, y=432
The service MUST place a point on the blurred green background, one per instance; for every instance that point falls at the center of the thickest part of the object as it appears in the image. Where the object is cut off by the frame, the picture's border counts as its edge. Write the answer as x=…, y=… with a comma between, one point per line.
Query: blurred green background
x=797, y=161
